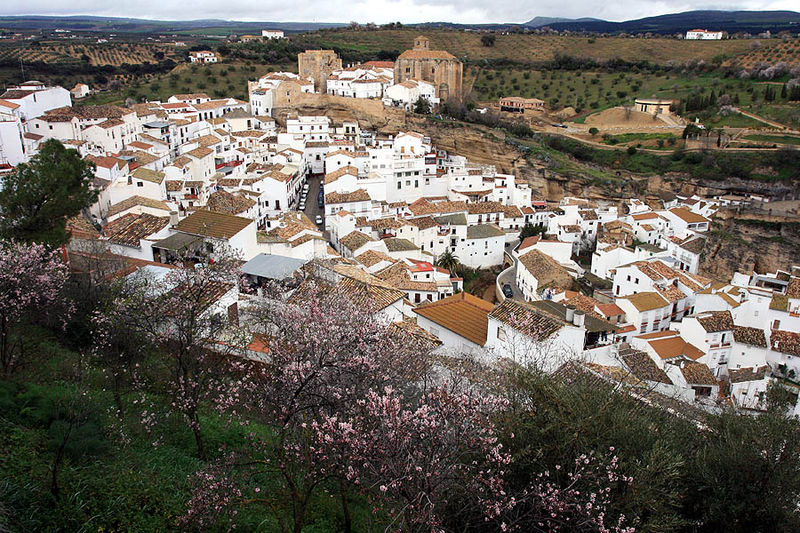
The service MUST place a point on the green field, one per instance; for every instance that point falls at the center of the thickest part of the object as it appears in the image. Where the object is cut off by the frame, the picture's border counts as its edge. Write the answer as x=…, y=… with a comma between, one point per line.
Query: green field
x=777, y=139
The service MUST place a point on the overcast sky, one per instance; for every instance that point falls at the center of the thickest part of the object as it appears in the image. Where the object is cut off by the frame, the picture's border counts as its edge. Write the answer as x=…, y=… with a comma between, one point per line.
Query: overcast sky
x=378, y=11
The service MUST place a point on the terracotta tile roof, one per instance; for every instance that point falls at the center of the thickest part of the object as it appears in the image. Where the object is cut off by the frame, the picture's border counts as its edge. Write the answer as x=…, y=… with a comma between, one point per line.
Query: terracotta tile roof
x=205, y=294
x=644, y=216
x=106, y=161
x=673, y=347
x=131, y=228
x=212, y=224
x=330, y=177
x=787, y=342
x=527, y=242
x=232, y=204
x=670, y=293
x=397, y=275
x=423, y=223
x=191, y=96
x=355, y=240
x=424, y=207
x=410, y=329
x=526, y=319
x=359, y=195
x=373, y=257
x=546, y=270
x=484, y=207
x=687, y=216
x=741, y=375
x=426, y=54
x=643, y=367
x=658, y=334
x=462, y=313
x=588, y=215
x=134, y=201
x=646, y=301
x=585, y=304
x=200, y=152
x=698, y=374
x=85, y=112
x=609, y=310
x=716, y=321
x=143, y=158
x=750, y=336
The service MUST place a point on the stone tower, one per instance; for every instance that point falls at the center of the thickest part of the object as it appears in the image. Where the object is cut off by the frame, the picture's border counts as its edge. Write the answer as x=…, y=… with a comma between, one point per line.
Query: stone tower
x=438, y=67
x=318, y=65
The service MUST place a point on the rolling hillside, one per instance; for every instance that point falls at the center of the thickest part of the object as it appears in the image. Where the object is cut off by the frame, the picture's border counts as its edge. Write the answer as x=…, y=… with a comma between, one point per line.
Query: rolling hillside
x=729, y=21
x=523, y=48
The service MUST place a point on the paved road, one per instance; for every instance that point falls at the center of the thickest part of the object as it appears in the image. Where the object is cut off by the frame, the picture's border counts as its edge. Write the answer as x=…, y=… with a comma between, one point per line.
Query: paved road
x=510, y=277
x=312, y=207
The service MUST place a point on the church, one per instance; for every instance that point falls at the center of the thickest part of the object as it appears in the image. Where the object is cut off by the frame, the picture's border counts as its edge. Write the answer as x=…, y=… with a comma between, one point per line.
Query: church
x=438, y=67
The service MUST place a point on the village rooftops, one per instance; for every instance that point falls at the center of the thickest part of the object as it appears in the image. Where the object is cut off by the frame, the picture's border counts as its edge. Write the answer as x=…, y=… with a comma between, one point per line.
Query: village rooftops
x=698, y=374
x=527, y=319
x=787, y=342
x=673, y=347
x=461, y=313
x=688, y=216
x=750, y=336
x=212, y=224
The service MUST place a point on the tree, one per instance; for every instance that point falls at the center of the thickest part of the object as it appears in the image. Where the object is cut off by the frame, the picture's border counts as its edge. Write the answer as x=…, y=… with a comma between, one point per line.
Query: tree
x=38, y=197
x=324, y=356
x=530, y=230
x=181, y=315
x=449, y=261
x=422, y=106
x=593, y=131
x=32, y=281
x=488, y=39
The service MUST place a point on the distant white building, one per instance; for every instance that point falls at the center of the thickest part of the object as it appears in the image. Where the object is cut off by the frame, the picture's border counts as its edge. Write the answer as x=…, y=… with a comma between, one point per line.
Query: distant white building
x=406, y=94
x=272, y=34
x=704, y=35
x=203, y=56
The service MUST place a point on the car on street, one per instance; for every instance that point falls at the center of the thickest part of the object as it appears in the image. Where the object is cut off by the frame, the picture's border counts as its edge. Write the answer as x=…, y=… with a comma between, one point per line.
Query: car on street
x=319, y=220
x=302, y=206
x=321, y=199
x=508, y=292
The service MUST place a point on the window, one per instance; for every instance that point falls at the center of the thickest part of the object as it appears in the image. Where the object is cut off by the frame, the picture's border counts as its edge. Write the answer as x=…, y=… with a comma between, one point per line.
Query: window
x=399, y=185
x=776, y=324
x=140, y=184
x=501, y=334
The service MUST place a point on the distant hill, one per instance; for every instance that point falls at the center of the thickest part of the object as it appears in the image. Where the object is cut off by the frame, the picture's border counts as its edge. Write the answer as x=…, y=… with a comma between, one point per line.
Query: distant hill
x=729, y=21
x=119, y=24
x=538, y=22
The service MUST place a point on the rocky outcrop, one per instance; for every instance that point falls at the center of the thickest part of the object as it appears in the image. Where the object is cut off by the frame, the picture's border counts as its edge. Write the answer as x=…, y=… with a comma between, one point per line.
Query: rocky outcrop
x=747, y=242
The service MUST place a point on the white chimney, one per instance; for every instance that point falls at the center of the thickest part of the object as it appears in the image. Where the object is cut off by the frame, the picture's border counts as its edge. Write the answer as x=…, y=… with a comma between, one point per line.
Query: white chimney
x=173, y=218
x=570, y=315
x=579, y=318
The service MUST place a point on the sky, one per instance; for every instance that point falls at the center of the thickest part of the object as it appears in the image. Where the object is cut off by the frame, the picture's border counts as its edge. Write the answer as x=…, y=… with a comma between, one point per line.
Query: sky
x=379, y=11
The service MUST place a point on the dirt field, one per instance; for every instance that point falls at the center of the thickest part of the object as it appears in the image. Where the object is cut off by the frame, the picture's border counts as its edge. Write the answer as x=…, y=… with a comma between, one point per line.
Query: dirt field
x=618, y=118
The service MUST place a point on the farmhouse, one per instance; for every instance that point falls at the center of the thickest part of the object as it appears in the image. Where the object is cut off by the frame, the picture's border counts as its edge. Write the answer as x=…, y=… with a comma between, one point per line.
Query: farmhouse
x=272, y=34
x=203, y=56
x=653, y=106
x=516, y=104
x=704, y=35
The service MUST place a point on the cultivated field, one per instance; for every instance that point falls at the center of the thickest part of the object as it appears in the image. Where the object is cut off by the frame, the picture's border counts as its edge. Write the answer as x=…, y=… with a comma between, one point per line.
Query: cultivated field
x=113, y=53
x=530, y=48
x=787, y=51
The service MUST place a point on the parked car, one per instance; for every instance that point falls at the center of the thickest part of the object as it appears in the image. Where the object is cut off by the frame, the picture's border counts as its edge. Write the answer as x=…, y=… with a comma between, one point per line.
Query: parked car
x=302, y=206
x=321, y=199
x=508, y=292
x=319, y=220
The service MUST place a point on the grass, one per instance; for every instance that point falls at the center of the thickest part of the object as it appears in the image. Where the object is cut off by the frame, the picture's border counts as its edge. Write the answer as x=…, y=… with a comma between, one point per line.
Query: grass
x=218, y=80
x=599, y=90
x=128, y=483
x=639, y=139
x=777, y=139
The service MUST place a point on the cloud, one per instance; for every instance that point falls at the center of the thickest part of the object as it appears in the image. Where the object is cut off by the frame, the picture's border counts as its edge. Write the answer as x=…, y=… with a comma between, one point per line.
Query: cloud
x=379, y=11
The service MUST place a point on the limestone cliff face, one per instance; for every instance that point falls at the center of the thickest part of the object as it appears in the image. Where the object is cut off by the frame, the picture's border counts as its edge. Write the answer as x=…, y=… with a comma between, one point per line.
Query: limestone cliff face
x=746, y=243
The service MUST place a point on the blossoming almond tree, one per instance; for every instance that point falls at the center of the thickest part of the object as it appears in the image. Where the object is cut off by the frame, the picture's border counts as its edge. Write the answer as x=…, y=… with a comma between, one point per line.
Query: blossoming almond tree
x=187, y=316
x=32, y=281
